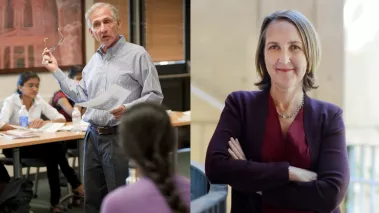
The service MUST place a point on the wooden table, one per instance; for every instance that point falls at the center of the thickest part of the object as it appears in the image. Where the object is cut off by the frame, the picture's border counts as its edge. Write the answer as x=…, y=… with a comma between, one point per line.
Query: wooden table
x=44, y=137
x=176, y=120
x=15, y=144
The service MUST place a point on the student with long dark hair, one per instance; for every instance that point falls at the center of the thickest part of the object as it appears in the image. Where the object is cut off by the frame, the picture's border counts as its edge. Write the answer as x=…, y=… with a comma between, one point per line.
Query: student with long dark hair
x=51, y=153
x=147, y=138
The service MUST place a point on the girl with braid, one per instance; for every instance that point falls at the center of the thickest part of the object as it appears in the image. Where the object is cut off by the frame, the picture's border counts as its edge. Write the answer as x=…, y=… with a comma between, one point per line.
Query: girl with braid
x=147, y=138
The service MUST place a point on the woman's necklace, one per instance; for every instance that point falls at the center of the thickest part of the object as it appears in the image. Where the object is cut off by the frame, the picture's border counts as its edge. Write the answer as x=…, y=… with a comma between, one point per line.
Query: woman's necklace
x=294, y=113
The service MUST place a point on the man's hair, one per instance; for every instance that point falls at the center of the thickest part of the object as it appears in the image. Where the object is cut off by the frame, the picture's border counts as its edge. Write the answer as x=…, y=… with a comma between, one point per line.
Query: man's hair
x=98, y=5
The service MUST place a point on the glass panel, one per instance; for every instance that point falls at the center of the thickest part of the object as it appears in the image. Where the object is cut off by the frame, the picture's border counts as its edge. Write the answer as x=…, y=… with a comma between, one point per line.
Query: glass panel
x=20, y=63
x=9, y=16
x=18, y=51
x=28, y=14
x=7, y=58
x=19, y=57
x=361, y=71
x=31, y=55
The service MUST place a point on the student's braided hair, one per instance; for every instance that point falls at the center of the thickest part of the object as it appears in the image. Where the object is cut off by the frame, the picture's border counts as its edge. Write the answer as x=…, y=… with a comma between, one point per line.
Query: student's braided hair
x=147, y=138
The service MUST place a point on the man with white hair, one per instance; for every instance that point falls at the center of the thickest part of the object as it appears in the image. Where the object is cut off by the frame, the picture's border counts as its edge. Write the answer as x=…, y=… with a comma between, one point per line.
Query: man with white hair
x=115, y=62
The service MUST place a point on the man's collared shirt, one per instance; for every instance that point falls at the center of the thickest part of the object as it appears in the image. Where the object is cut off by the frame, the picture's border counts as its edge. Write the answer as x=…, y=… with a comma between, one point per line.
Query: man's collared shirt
x=125, y=64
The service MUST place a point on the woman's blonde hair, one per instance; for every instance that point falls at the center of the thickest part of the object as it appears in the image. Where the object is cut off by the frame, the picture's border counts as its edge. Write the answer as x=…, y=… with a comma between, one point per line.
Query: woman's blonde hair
x=311, y=43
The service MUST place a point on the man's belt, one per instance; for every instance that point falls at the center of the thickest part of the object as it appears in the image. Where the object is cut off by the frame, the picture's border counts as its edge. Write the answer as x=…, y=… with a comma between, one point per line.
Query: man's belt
x=104, y=130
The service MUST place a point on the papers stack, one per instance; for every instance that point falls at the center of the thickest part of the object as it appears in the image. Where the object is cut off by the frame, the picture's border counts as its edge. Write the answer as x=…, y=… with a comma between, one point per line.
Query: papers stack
x=112, y=98
x=19, y=133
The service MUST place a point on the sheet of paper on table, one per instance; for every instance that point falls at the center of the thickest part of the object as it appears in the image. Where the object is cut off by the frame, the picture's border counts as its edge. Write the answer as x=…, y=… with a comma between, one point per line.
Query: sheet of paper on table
x=19, y=133
x=49, y=127
x=83, y=127
x=112, y=98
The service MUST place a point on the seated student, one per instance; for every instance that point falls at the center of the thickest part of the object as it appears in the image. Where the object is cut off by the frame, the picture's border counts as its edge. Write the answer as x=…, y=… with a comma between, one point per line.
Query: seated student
x=65, y=106
x=61, y=102
x=147, y=138
x=51, y=153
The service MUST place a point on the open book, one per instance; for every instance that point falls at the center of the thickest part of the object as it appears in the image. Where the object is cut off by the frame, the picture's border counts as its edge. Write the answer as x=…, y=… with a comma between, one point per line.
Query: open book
x=19, y=133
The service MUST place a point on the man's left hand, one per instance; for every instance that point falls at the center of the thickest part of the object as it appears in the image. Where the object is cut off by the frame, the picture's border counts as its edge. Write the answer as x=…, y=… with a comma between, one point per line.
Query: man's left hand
x=118, y=112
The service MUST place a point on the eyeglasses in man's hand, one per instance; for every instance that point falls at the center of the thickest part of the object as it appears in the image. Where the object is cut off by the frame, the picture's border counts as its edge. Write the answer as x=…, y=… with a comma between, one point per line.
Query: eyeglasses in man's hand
x=56, y=45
